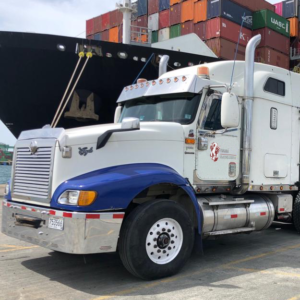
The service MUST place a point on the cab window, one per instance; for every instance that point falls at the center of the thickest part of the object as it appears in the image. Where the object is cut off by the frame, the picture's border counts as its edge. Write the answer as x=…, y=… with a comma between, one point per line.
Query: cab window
x=210, y=117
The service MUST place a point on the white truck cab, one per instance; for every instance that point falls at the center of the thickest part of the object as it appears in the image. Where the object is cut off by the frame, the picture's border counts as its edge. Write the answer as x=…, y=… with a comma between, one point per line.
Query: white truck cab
x=189, y=153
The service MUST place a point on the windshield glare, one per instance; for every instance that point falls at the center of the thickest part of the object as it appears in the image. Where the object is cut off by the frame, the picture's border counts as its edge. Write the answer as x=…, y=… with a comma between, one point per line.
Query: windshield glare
x=176, y=108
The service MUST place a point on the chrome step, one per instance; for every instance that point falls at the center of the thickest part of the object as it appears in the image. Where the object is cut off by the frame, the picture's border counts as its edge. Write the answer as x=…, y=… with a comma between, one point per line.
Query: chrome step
x=232, y=202
x=230, y=231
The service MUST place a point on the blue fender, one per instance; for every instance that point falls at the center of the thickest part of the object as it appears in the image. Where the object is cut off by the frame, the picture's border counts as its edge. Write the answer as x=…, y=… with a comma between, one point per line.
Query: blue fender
x=118, y=186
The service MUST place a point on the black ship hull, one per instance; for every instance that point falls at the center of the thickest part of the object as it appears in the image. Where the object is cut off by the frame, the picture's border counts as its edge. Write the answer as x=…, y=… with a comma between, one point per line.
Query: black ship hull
x=34, y=74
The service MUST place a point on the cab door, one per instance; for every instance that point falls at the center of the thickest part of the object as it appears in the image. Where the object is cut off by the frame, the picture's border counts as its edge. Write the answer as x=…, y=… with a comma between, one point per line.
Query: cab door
x=218, y=153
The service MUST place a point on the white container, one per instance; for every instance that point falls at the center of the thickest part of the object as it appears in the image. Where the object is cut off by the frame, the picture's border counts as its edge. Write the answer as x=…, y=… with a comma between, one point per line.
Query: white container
x=153, y=22
x=164, y=34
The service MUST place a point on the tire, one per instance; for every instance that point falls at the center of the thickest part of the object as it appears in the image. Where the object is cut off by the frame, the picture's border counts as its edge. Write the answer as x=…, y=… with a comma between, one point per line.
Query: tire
x=168, y=223
x=296, y=213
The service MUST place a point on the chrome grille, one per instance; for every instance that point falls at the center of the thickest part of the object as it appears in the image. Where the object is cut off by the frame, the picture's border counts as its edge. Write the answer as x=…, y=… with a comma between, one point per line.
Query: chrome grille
x=32, y=173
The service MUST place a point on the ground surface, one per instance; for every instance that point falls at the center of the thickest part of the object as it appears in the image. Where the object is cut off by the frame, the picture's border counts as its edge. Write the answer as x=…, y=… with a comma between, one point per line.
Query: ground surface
x=263, y=265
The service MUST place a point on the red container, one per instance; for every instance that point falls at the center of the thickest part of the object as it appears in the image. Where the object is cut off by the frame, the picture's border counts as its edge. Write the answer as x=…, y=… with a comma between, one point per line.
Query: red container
x=89, y=27
x=142, y=21
x=278, y=8
x=200, y=30
x=121, y=33
x=164, y=19
x=116, y=18
x=272, y=39
x=228, y=30
x=153, y=7
x=106, y=21
x=134, y=23
x=272, y=57
x=255, y=5
x=226, y=49
x=90, y=37
x=105, y=35
x=98, y=24
x=187, y=27
x=175, y=14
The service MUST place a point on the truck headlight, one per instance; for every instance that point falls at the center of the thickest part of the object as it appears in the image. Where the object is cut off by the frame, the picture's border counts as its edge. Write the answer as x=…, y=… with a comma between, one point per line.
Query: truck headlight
x=78, y=198
x=6, y=191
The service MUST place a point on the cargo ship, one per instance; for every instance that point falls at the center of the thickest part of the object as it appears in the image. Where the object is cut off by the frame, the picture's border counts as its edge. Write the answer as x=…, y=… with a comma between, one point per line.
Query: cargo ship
x=36, y=68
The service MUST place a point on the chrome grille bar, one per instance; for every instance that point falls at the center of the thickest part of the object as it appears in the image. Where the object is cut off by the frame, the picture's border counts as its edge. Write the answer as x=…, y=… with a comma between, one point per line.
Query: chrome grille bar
x=32, y=173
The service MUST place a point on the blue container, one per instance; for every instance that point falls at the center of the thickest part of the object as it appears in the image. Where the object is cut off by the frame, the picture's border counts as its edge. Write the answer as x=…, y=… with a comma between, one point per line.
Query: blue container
x=289, y=9
x=97, y=36
x=142, y=7
x=230, y=11
x=164, y=4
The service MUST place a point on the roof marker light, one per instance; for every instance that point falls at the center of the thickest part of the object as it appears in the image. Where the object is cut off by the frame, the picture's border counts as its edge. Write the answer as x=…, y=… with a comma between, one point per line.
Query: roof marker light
x=184, y=78
x=161, y=81
x=140, y=80
x=203, y=72
x=131, y=88
x=153, y=82
x=176, y=79
x=168, y=80
x=136, y=86
x=147, y=84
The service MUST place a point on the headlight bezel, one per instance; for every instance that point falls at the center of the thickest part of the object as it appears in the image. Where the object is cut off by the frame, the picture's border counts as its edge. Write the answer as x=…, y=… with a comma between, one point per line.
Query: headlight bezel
x=77, y=198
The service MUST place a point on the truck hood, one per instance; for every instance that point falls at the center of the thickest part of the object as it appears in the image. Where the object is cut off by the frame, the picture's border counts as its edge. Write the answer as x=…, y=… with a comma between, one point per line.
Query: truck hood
x=158, y=131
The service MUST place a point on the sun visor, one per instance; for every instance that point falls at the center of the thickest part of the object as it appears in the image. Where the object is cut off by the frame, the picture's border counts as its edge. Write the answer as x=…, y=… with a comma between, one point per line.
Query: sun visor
x=164, y=86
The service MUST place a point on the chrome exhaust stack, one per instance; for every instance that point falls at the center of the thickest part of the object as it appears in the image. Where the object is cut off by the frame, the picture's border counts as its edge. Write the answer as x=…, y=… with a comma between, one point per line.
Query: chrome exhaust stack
x=163, y=65
x=248, y=109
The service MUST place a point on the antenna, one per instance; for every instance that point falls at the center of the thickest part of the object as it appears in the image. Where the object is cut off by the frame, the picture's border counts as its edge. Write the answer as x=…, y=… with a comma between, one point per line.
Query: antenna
x=236, y=50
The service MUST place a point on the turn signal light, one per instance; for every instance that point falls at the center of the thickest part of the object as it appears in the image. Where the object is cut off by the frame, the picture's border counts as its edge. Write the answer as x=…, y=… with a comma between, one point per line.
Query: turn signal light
x=190, y=141
x=86, y=198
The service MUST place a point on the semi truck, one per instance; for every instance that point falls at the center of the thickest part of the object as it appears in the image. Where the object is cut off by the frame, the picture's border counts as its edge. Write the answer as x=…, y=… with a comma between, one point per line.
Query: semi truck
x=201, y=152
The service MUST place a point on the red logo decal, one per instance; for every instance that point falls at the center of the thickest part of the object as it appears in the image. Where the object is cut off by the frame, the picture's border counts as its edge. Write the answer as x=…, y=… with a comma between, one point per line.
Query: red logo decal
x=214, y=154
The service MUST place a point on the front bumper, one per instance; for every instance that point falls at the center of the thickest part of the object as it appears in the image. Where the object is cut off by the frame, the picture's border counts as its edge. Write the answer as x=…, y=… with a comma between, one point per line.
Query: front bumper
x=83, y=233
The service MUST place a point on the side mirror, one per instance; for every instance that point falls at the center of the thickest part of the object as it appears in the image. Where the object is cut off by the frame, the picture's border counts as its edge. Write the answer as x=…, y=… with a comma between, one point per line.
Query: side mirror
x=117, y=114
x=131, y=123
x=230, y=113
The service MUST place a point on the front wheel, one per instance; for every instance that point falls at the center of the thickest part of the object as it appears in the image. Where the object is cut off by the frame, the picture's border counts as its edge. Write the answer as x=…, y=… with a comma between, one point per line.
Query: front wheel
x=156, y=240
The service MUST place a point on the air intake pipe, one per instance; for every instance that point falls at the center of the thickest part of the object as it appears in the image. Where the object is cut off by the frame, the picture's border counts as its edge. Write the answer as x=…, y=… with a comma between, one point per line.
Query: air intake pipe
x=163, y=65
x=248, y=109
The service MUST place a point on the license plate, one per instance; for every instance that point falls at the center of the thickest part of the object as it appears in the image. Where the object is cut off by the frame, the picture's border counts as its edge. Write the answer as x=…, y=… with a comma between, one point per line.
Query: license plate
x=57, y=224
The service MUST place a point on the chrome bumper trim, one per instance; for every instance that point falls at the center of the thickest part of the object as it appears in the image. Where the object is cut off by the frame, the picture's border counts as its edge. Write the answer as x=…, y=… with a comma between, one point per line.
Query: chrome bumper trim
x=83, y=233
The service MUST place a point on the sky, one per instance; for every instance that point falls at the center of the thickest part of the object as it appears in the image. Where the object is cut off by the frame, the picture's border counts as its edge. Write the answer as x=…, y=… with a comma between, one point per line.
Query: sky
x=60, y=17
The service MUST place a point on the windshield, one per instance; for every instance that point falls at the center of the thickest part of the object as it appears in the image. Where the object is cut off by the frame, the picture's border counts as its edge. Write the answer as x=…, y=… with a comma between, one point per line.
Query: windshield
x=165, y=108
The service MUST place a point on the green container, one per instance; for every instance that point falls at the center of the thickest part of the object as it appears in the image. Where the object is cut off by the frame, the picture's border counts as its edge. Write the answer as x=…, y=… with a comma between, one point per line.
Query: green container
x=175, y=31
x=154, y=37
x=267, y=18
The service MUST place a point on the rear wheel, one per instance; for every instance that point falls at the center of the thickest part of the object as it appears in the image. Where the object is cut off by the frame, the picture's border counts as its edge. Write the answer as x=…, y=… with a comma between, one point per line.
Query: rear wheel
x=296, y=213
x=156, y=239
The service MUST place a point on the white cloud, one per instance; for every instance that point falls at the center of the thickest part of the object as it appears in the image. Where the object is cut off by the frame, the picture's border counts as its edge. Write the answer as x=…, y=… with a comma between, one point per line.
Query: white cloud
x=61, y=17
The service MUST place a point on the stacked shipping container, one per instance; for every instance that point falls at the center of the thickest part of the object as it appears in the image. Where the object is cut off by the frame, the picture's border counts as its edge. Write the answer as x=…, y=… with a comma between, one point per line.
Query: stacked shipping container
x=217, y=22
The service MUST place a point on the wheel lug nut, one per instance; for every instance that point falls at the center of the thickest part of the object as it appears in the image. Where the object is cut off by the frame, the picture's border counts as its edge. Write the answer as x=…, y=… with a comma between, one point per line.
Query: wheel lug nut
x=172, y=235
x=164, y=251
x=158, y=233
x=155, y=246
x=169, y=248
x=172, y=242
x=155, y=239
x=148, y=244
x=169, y=230
x=163, y=229
x=158, y=251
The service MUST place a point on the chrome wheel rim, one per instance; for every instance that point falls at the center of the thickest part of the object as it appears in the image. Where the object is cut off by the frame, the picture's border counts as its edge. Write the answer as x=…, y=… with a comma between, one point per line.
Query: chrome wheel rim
x=164, y=241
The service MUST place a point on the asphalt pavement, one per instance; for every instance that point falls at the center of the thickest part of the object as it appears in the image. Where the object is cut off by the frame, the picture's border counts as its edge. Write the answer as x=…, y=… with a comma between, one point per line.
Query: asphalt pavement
x=263, y=265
